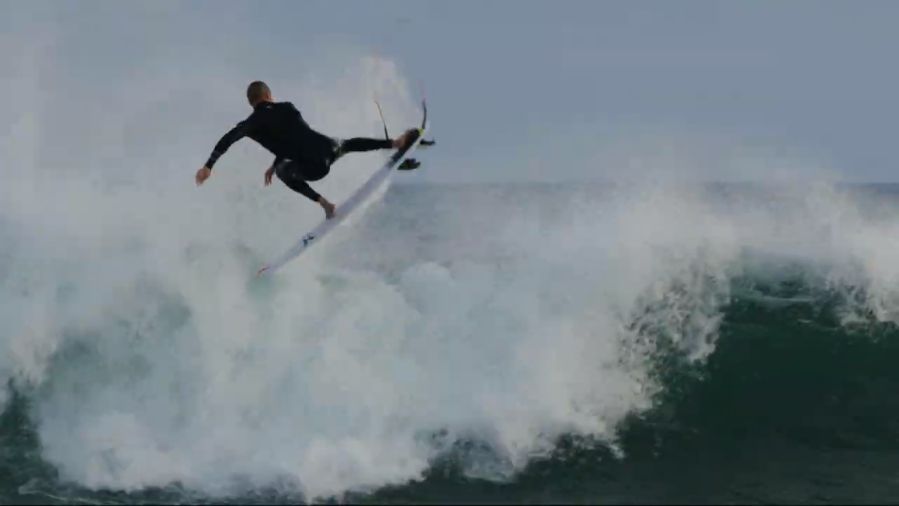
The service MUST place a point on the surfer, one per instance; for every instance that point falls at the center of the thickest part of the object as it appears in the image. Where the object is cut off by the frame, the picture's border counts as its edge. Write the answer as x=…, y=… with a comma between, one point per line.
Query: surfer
x=301, y=153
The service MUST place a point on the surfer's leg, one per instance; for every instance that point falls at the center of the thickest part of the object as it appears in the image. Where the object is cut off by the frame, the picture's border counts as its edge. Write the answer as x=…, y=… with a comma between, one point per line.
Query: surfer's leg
x=290, y=173
x=314, y=169
x=359, y=144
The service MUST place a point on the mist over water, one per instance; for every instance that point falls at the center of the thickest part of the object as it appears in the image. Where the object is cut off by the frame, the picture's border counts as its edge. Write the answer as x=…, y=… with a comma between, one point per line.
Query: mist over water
x=498, y=315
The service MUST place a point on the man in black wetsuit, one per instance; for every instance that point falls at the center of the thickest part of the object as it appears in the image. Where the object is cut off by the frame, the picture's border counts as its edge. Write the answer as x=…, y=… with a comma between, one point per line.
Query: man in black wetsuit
x=301, y=153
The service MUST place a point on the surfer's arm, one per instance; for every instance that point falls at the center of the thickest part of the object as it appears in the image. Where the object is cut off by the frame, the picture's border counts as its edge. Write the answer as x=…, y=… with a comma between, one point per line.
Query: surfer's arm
x=268, y=175
x=235, y=134
x=271, y=170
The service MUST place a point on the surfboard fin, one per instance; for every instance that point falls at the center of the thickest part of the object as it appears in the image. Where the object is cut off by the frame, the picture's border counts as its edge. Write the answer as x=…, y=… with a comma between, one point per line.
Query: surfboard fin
x=409, y=164
x=383, y=122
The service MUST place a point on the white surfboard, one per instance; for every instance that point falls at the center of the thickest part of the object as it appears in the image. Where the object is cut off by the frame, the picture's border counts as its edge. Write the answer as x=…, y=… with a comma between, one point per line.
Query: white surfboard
x=369, y=188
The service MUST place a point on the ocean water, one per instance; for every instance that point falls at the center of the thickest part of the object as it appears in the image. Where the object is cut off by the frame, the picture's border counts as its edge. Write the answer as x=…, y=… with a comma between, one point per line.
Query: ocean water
x=456, y=343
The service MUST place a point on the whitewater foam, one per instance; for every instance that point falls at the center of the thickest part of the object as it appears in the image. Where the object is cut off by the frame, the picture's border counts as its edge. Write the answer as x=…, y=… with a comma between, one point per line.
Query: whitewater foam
x=152, y=361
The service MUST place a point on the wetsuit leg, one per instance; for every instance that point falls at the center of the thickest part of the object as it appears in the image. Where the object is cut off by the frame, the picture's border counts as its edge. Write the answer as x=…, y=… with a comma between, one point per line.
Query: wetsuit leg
x=296, y=173
x=358, y=144
x=313, y=169
x=295, y=176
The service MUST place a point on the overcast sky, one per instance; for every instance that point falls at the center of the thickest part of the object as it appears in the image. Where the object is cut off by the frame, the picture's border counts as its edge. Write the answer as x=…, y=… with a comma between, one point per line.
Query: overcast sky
x=521, y=90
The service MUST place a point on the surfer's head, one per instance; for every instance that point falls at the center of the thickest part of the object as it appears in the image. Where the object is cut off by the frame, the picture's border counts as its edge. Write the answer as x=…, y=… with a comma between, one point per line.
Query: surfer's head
x=257, y=92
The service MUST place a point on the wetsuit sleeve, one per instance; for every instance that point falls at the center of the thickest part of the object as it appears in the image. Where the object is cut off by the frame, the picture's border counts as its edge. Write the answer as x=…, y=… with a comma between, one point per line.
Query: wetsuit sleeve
x=235, y=134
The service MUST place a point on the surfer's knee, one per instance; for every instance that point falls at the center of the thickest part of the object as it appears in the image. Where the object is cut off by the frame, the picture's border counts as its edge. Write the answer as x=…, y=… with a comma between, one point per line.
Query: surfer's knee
x=315, y=171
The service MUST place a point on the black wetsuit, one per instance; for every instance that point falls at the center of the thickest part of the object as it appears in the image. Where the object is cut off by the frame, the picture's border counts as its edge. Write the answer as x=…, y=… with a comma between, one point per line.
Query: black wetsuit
x=301, y=153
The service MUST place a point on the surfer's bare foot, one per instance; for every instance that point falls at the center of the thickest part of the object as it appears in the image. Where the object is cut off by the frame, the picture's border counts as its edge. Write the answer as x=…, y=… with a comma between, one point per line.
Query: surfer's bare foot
x=404, y=140
x=327, y=206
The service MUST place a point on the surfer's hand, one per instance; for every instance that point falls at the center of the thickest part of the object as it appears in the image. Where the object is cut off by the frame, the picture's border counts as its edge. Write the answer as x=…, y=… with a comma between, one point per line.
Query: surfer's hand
x=268, y=175
x=327, y=206
x=203, y=174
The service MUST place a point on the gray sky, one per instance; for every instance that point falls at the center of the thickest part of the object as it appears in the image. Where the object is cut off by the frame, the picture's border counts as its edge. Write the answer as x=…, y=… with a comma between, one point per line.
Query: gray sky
x=523, y=90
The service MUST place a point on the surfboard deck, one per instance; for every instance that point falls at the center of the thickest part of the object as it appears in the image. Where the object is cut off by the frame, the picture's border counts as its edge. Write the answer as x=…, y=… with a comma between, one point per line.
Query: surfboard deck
x=371, y=186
